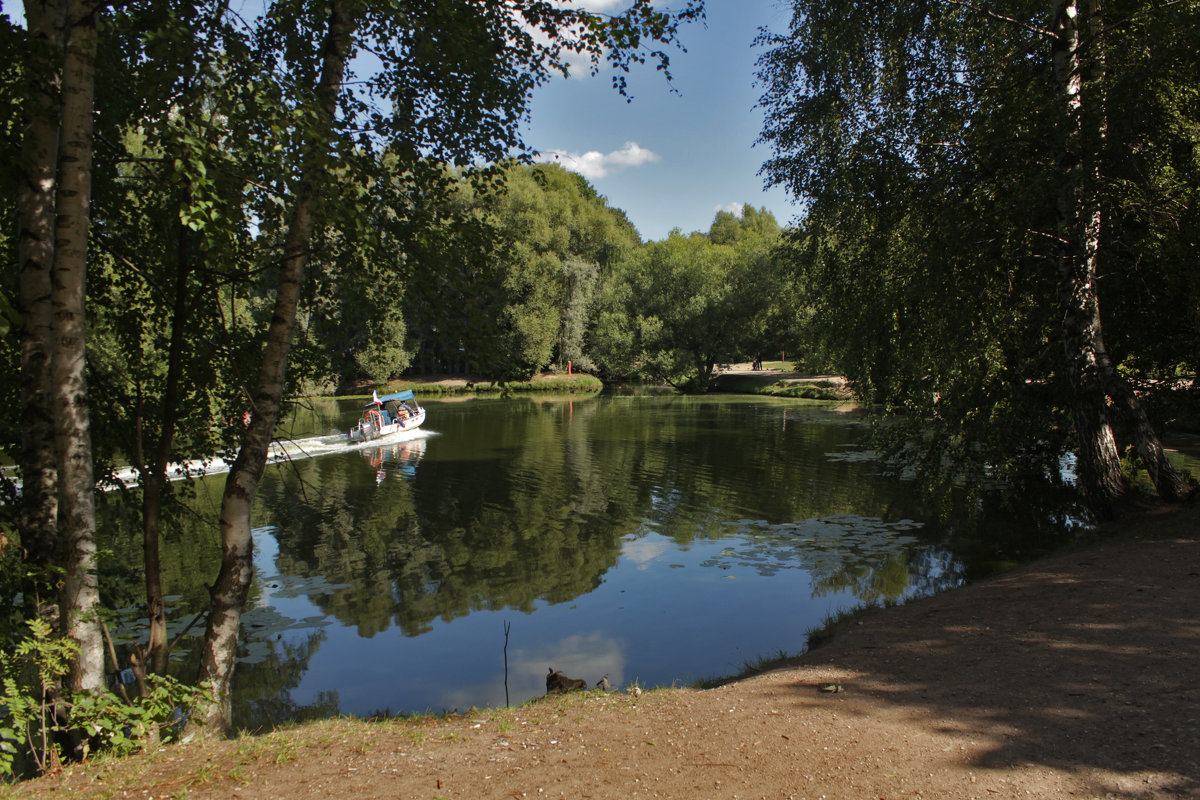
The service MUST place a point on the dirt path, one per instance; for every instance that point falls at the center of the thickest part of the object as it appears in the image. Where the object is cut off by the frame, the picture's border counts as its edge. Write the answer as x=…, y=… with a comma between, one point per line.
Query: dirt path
x=1073, y=677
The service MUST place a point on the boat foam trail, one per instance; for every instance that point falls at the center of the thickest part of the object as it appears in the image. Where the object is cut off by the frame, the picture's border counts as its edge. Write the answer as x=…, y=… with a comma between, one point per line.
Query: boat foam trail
x=281, y=451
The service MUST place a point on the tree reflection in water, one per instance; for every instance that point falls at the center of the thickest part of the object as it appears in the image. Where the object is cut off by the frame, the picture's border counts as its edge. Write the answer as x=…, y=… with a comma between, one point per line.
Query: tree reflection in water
x=651, y=538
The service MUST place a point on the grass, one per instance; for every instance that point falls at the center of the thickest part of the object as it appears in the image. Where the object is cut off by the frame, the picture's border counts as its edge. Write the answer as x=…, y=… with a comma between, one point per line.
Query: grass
x=819, y=390
x=770, y=381
x=758, y=383
x=205, y=765
x=741, y=383
x=833, y=623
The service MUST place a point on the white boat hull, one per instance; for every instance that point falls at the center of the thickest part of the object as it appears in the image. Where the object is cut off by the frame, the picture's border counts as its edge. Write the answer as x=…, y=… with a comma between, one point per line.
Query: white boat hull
x=366, y=431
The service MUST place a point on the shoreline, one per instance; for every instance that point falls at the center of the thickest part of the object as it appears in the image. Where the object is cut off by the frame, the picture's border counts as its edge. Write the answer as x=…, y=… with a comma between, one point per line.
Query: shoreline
x=728, y=378
x=1069, y=676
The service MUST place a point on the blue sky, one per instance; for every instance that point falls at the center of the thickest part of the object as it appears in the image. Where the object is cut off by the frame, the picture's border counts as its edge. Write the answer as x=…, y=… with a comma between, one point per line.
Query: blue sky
x=668, y=159
x=671, y=160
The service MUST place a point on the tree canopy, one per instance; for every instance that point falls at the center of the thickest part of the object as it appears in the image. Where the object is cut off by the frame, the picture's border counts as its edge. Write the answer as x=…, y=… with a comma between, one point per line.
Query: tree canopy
x=978, y=190
x=181, y=168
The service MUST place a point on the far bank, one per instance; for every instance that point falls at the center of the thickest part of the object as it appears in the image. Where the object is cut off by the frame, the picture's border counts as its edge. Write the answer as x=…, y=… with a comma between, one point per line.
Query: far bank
x=775, y=379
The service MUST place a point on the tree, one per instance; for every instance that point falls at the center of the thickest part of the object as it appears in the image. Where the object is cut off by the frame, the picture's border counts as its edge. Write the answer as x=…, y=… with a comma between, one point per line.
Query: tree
x=505, y=285
x=170, y=218
x=673, y=310
x=950, y=155
x=53, y=243
x=458, y=79
x=38, y=524
x=676, y=308
x=1094, y=381
x=555, y=235
x=358, y=285
x=452, y=87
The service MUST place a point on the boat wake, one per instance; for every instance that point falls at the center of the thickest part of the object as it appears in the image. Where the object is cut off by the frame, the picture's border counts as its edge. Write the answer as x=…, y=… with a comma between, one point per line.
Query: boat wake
x=282, y=451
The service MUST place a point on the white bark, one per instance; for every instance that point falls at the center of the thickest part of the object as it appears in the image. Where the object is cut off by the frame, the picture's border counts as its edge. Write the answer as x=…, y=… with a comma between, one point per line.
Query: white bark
x=35, y=255
x=232, y=585
x=1079, y=222
x=77, y=517
x=1101, y=395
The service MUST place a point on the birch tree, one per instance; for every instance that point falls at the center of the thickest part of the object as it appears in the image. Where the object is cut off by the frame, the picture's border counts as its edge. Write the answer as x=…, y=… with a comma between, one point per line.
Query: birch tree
x=456, y=79
x=38, y=522
x=53, y=216
x=1098, y=392
x=77, y=512
x=957, y=165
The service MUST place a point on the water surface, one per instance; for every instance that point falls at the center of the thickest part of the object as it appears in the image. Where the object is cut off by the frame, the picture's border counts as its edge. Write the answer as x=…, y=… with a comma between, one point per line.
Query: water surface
x=657, y=539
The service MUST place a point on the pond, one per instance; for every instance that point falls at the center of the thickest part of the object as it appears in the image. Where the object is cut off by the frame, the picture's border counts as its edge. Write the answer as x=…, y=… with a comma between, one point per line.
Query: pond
x=649, y=539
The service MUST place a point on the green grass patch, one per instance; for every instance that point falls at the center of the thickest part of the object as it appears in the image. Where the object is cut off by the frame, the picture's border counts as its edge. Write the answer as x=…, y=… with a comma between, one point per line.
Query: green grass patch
x=753, y=383
x=820, y=390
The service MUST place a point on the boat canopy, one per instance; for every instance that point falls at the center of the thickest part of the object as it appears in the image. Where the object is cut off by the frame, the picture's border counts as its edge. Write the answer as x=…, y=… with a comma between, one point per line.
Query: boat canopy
x=399, y=397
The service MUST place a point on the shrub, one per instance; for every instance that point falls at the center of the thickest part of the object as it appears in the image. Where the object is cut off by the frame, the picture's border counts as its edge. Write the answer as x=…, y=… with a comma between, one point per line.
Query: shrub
x=37, y=716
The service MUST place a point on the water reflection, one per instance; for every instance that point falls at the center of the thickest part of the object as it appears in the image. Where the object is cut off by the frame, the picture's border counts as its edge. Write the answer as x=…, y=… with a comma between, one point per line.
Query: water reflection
x=594, y=654
x=399, y=458
x=650, y=538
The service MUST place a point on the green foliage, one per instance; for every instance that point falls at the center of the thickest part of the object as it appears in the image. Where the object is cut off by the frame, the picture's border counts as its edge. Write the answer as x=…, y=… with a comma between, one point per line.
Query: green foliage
x=9, y=317
x=674, y=309
x=124, y=728
x=924, y=140
x=219, y=138
x=506, y=288
x=30, y=674
x=39, y=715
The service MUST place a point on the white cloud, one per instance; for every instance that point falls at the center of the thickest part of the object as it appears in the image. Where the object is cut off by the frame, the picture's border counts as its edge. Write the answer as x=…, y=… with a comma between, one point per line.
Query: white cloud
x=737, y=209
x=600, y=6
x=594, y=165
x=644, y=552
x=587, y=656
x=579, y=65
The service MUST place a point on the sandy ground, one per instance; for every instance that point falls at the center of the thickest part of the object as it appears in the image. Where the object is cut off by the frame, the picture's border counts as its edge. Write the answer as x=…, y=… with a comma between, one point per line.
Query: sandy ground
x=1073, y=677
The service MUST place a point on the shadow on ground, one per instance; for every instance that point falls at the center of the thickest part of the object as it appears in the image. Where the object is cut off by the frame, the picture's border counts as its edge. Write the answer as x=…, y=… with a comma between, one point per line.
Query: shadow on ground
x=1103, y=682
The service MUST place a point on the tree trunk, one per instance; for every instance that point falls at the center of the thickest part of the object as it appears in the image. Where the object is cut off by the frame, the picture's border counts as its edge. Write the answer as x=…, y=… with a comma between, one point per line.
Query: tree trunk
x=1169, y=484
x=38, y=523
x=1079, y=220
x=156, y=637
x=1100, y=393
x=155, y=472
x=229, y=592
x=77, y=517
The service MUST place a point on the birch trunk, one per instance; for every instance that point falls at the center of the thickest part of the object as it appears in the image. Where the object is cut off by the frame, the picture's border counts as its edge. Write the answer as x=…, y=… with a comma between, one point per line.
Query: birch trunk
x=1101, y=395
x=38, y=523
x=77, y=517
x=1079, y=221
x=1169, y=484
x=228, y=594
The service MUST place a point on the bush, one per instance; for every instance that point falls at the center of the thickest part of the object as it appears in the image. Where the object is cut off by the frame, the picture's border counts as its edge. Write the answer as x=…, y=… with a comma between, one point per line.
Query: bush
x=37, y=716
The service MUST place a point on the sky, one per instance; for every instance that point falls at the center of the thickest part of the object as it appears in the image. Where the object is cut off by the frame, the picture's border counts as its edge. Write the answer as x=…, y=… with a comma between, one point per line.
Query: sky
x=668, y=159
x=671, y=159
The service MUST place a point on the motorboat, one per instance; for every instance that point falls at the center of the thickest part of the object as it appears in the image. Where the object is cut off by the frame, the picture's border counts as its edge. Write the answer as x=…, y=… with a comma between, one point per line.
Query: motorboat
x=389, y=414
